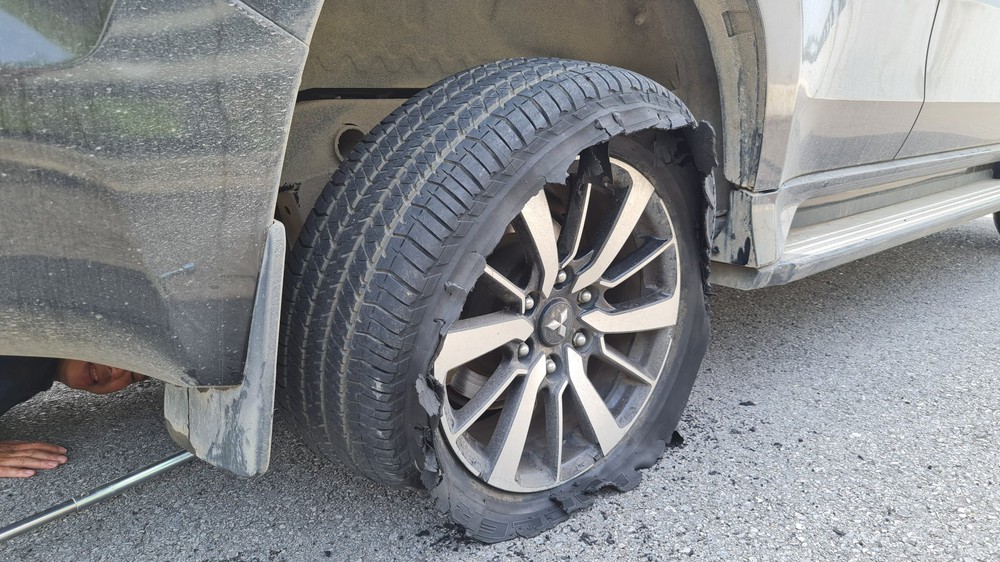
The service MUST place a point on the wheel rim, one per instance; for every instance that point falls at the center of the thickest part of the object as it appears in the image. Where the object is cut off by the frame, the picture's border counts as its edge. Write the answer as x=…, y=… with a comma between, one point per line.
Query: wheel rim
x=561, y=342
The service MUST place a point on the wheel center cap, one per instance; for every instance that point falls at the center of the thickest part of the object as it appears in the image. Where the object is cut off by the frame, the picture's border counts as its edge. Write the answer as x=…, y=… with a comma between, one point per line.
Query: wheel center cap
x=554, y=324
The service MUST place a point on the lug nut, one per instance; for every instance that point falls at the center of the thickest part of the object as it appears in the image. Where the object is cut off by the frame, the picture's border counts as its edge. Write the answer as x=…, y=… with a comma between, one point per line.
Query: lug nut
x=580, y=339
x=550, y=366
x=561, y=276
x=523, y=350
x=585, y=296
x=529, y=303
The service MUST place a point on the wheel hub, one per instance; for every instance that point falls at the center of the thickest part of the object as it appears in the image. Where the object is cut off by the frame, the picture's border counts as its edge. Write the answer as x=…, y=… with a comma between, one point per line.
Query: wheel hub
x=556, y=322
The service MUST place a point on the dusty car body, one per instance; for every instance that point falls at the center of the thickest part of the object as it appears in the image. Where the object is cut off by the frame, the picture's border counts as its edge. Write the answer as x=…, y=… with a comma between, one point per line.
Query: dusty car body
x=147, y=149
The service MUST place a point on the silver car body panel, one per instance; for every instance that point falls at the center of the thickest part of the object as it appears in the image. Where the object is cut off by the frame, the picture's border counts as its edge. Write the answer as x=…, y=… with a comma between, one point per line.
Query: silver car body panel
x=963, y=80
x=36, y=34
x=843, y=87
x=155, y=160
x=297, y=17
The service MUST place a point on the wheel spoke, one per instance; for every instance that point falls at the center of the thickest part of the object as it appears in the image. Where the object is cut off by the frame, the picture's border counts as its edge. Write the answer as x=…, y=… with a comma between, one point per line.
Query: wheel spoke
x=504, y=287
x=637, y=260
x=474, y=337
x=597, y=417
x=537, y=220
x=651, y=314
x=507, y=443
x=576, y=218
x=615, y=233
x=554, y=428
x=624, y=363
x=485, y=397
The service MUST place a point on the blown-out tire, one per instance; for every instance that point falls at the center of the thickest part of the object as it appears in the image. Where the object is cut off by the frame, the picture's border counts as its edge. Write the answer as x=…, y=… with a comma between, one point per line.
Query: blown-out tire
x=501, y=292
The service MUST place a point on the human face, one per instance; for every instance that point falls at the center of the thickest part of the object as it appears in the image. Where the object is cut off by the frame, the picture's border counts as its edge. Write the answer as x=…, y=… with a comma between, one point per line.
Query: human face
x=99, y=379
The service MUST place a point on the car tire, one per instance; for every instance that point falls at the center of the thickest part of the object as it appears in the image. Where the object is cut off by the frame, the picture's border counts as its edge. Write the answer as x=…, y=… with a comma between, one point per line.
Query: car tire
x=996, y=220
x=500, y=293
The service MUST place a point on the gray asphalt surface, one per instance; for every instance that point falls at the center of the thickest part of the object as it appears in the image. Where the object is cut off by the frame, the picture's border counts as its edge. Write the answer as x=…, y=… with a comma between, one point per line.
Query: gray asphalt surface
x=851, y=415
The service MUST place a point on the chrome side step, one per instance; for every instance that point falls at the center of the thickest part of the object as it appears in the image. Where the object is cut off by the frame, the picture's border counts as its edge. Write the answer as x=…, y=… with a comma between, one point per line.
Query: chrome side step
x=814, y=248
x=758, y=223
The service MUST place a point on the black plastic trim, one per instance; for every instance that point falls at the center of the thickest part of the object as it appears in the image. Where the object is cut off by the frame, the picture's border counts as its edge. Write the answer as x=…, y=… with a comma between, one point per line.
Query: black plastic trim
x=357, y=93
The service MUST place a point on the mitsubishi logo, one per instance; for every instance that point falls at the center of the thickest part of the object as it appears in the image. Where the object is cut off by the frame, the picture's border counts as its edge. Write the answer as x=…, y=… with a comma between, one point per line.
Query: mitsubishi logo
x=554, y=322
x=558, y=322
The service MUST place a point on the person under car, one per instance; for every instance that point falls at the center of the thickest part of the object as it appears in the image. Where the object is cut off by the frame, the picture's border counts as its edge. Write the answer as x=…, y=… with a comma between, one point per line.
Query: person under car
x=21, y=378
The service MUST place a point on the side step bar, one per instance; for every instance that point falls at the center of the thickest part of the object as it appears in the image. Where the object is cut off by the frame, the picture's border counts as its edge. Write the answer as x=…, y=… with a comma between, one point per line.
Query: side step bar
x=814, y=248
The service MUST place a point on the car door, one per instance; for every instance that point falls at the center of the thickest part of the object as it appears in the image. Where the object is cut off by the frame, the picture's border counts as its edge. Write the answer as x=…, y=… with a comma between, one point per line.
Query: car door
x=962, y=107
x=847, y=88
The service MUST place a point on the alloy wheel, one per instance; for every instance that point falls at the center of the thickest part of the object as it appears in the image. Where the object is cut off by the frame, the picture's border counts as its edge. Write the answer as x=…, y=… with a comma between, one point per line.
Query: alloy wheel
x=561, y=342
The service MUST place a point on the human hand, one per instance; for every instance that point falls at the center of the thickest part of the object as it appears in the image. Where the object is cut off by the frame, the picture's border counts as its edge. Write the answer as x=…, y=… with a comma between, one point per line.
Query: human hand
x=20, y=459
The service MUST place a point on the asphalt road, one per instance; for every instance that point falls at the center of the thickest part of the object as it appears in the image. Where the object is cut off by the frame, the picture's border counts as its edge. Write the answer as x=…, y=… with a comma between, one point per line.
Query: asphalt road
x=851, y=415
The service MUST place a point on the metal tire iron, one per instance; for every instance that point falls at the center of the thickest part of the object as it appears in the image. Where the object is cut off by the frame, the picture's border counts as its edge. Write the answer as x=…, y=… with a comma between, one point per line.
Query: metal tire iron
x=94, y=496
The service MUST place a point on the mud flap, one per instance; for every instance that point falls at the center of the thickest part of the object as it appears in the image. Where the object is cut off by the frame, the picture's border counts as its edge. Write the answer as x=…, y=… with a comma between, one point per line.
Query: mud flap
x=230, y=427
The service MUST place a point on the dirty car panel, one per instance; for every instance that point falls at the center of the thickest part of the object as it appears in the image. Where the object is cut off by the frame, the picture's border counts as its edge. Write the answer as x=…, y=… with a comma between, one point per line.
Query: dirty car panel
x=138, y=181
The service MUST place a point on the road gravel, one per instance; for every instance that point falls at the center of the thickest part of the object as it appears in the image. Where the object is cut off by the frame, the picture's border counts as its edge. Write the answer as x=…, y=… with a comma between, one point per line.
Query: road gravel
x=849, y=416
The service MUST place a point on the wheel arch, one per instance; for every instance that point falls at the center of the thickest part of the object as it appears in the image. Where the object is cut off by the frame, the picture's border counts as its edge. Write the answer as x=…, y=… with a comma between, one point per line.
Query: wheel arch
x=708, y=52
